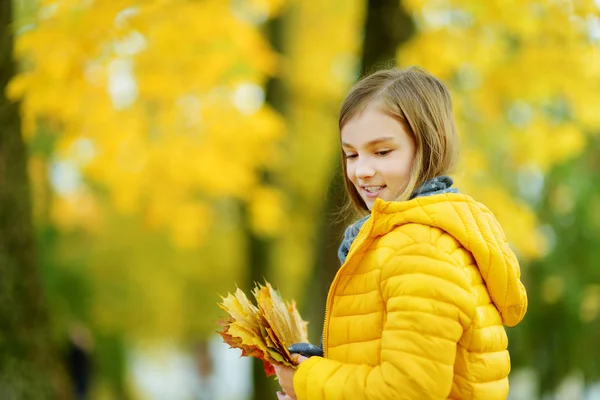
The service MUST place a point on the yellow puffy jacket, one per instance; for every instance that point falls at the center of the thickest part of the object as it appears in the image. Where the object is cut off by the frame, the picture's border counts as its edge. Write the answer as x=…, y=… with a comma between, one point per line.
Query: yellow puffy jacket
x=418, y=308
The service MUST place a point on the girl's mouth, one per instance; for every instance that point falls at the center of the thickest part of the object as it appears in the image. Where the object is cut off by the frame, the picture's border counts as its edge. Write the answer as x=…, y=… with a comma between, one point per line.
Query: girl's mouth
x=372, y=191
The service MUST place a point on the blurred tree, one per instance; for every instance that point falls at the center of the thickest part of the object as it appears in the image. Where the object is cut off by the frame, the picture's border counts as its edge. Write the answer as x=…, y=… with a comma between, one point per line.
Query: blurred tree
x=563, y=323
x=386, y=26
x=151, y=131
x=27, y=369
x=175, y=143
x=260, y=241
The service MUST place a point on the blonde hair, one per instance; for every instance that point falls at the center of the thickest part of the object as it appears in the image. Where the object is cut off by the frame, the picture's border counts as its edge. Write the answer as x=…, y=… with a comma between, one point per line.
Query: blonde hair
x=422, y=103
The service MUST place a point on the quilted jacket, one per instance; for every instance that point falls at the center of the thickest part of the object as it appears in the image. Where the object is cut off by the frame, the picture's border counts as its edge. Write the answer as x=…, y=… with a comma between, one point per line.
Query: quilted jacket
x=417, y=309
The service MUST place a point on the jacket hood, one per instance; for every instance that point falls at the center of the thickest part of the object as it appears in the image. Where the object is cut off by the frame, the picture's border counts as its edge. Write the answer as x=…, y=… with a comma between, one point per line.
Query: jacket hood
x=475, y=227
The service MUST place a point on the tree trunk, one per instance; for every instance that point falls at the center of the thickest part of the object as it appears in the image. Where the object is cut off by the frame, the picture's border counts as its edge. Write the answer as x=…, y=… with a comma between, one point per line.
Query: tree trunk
x=260, y=248
x=387, y=26
x=258, y=257
x=24, y=335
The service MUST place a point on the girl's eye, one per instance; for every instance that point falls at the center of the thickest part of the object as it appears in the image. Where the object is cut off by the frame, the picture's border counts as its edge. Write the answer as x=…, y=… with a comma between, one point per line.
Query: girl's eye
x=351, y=156
x=383, y=152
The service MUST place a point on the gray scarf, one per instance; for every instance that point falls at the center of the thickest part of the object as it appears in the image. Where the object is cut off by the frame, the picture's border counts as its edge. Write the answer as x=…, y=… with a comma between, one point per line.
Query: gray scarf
x=437, y=185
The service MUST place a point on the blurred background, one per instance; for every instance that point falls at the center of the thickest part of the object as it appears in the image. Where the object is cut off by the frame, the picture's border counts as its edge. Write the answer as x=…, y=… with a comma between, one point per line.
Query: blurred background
x=157, y=154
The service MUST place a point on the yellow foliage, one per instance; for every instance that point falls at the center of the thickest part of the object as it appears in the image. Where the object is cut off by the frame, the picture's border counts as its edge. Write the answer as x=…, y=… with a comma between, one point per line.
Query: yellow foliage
x=190, y=224
x=76, y=212
x=542, y=143
x=562, y=200
x=160, y=104
x=525, y=78
x=267, y=211
x=169, y=95
x=146, y=289
x=553, y=288
x=590, y=304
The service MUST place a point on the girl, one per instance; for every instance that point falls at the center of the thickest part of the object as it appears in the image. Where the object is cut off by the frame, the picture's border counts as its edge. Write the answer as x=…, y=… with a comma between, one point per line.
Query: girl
x=428, y=280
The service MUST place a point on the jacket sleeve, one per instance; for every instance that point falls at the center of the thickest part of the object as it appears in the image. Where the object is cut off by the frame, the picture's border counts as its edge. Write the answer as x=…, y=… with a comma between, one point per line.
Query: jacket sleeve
x=429, y=305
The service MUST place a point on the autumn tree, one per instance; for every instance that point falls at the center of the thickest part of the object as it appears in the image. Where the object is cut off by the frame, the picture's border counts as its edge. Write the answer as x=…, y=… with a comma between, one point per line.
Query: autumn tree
x=152, y=144
x=25, y=346
x=563, y=322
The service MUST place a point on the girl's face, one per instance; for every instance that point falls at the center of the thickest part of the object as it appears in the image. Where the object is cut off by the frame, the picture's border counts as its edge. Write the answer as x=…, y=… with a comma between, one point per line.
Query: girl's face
x=379, y=154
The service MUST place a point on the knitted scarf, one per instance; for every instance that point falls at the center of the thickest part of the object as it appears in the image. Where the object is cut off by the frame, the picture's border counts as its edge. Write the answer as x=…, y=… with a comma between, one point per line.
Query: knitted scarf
x=437, y=185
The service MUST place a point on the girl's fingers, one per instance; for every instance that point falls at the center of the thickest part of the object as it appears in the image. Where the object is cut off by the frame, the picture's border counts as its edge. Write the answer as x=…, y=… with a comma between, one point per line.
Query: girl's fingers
x=297, y=358
x=283, y=396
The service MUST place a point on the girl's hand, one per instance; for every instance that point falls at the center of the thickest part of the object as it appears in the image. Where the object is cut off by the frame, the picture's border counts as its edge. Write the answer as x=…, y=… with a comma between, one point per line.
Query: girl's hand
x=285, y=375
x=283, y=396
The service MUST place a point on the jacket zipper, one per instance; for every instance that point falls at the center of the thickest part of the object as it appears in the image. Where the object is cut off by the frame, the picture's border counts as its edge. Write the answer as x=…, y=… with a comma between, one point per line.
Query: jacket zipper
x=335, y=281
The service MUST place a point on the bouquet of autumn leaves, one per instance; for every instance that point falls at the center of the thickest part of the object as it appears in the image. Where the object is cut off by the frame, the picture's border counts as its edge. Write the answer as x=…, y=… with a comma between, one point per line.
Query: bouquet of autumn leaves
x=264, y=331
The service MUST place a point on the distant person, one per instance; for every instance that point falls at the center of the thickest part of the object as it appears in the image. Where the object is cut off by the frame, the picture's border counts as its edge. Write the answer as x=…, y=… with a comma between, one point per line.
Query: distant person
x=428, y=280
x=79, y=361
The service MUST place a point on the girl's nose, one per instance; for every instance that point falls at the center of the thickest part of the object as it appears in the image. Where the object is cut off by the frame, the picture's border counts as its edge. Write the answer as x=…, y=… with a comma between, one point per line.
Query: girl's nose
x=364, y=169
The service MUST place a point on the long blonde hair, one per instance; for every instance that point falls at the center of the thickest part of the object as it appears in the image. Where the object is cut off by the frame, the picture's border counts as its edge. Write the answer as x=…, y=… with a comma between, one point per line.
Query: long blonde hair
x=422, y=103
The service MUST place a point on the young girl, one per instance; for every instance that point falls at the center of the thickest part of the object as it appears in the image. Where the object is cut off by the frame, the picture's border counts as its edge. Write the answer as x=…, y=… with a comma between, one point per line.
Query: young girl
x=427, y=280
